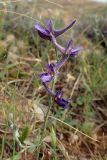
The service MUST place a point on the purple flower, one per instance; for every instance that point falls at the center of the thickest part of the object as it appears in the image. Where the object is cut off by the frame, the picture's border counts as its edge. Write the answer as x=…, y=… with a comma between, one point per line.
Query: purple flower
x=48, y=77
x=52, y=70
x=68, y=49
x=45, y=33
x=50, y=33
x=61, y=101
x=58, y=97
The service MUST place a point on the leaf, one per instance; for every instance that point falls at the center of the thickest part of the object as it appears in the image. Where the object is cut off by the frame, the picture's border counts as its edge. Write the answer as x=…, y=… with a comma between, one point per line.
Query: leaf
x=24, y=134
x=53, y=137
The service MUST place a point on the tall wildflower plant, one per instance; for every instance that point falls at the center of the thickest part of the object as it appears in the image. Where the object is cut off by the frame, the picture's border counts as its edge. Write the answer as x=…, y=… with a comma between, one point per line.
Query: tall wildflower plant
x=51, y=34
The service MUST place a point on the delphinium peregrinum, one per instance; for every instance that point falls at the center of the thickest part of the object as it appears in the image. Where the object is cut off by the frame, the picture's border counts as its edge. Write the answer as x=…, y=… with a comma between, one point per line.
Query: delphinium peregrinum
x=51, y=34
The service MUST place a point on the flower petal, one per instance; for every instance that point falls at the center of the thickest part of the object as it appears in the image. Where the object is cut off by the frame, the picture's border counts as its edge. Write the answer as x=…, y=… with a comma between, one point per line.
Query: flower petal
x=59, y=32
x=68, y=46
x=43, y=32
x=75, y=51
x=59, y=94
x=46, y=77
x=58, y=97
x=62, y=102
x=50, y=25
x=51, y=68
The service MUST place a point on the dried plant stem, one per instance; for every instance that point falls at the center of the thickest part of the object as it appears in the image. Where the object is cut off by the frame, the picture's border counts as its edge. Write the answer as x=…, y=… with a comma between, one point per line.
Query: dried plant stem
x=75, y=85
x=20, y=14
x=57, y=4
x=76, y=129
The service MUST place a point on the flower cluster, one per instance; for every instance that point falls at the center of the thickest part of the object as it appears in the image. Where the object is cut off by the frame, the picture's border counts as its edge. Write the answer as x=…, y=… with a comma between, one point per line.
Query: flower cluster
x=49, y=33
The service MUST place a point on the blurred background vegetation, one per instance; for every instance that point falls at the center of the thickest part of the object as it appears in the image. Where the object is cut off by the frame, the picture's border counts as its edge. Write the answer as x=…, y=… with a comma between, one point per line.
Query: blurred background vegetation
x=23, y=100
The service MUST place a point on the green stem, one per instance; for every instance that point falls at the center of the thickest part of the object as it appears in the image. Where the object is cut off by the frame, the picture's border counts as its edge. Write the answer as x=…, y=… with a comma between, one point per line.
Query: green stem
x=44, y=130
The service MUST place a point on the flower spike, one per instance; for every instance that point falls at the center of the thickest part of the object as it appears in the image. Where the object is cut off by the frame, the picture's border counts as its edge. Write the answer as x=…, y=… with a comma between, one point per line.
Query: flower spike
x=53, y=69
x=50, y=33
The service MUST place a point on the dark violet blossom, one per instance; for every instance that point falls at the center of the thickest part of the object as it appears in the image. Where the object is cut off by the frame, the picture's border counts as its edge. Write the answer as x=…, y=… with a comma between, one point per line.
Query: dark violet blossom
x=53, y=70
x=61, y=101
x=45, y=33
x=48, y=77
x=58, y=97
